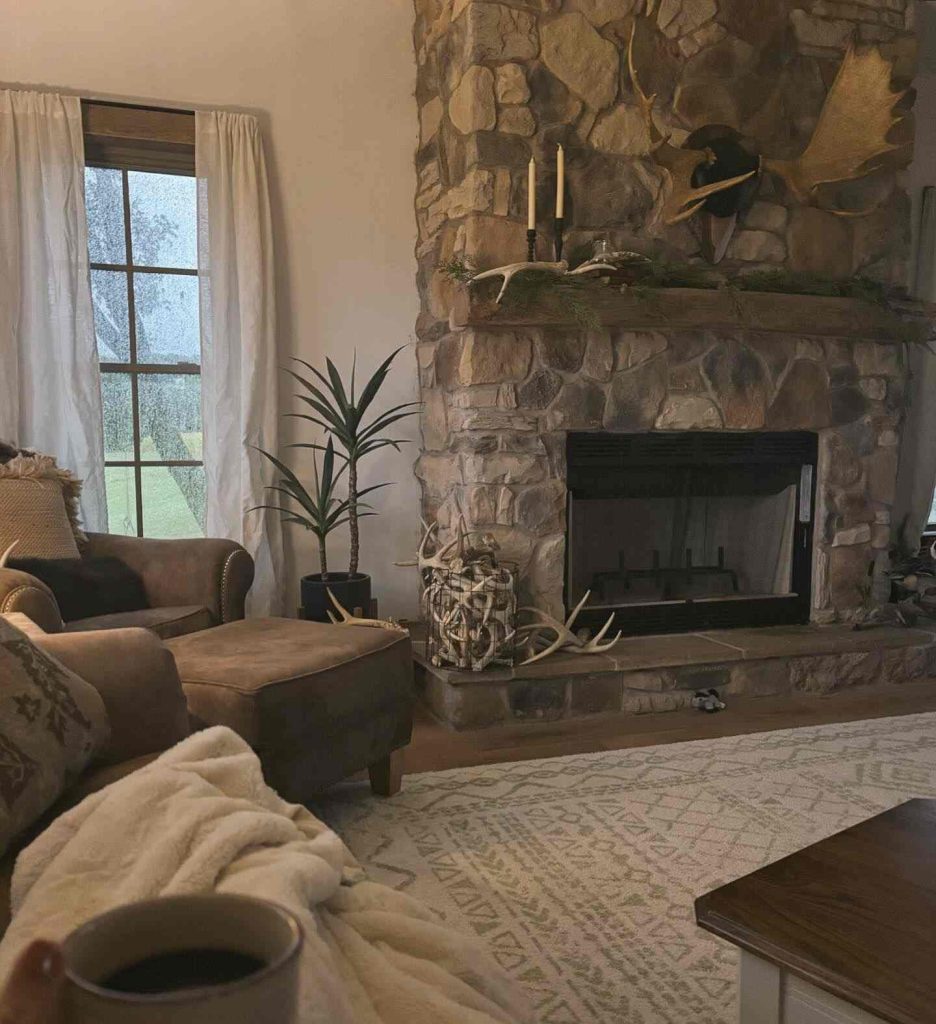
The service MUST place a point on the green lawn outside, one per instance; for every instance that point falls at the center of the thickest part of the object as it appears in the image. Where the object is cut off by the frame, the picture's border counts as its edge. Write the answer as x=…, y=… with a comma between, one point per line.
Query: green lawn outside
x=166, y=512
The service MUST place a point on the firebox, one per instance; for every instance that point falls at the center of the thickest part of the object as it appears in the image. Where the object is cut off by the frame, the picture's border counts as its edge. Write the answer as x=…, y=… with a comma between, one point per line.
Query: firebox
x=676, y=532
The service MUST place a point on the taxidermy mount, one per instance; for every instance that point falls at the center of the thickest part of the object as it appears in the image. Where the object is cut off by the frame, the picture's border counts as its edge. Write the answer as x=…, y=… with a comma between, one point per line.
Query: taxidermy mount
x=716, y=170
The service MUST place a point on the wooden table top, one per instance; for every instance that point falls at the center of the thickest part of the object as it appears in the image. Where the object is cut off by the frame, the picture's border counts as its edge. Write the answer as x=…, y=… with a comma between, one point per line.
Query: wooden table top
x=854, y=914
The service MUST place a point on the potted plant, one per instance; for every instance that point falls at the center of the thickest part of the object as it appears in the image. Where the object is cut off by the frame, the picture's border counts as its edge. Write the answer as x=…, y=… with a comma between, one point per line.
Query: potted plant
x=320, y=511
x=340, y=412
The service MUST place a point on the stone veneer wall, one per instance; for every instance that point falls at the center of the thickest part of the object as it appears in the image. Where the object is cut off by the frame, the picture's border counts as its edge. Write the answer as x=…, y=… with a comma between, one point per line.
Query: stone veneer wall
x=499, y=81
x=499, y=404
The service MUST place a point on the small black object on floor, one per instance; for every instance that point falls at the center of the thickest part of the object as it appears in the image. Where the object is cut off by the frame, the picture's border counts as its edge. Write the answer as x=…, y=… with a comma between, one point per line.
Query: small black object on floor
x=708, y=700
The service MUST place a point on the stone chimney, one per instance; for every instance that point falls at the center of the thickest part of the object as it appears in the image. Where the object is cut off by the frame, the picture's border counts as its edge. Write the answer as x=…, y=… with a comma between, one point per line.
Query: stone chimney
x=501, y=81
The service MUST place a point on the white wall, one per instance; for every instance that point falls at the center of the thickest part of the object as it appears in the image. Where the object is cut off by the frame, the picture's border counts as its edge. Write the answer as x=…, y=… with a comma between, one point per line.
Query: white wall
x=332, y=82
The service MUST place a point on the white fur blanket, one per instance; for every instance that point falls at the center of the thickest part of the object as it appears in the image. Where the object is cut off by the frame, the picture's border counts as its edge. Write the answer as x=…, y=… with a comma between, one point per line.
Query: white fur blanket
x=201, y=819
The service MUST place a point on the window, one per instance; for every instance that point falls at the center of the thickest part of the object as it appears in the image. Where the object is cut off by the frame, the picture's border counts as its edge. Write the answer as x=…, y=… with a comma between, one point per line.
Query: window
x=144, y=284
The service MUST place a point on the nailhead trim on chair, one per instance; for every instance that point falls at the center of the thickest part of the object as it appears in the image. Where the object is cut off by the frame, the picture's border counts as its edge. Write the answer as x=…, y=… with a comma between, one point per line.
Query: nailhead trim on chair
x=225, y=581
x=8, y=600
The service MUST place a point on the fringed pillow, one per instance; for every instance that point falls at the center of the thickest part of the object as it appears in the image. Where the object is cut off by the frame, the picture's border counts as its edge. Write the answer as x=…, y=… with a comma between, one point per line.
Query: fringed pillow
x=39, y=508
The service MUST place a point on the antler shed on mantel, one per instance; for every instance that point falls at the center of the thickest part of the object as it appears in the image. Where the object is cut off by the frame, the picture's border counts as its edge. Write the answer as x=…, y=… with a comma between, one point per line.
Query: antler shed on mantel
x=511, y=269
x=606, y=265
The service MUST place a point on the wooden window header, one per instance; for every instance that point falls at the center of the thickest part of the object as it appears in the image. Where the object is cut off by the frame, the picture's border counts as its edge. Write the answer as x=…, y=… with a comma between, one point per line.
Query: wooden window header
x=139, y=138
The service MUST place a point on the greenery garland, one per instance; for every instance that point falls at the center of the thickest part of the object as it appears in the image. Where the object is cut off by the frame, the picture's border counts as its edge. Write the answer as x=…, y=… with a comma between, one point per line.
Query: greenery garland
x=571, y=295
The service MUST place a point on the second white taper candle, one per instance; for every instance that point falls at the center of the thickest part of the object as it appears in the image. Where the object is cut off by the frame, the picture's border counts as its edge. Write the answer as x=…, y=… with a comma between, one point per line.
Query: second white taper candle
x=560, y=182
x=531, y=195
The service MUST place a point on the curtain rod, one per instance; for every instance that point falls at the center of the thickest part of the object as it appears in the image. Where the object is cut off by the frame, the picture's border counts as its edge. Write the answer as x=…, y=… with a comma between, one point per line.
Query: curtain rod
x=137, y=106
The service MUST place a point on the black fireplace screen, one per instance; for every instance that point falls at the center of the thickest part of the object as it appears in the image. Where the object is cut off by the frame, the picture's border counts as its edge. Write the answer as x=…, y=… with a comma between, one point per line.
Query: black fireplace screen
x=694, y=530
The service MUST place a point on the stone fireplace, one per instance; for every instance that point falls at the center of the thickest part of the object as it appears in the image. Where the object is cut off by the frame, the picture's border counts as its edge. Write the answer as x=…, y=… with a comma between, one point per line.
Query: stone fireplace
x=504, y=403
x=508, y=397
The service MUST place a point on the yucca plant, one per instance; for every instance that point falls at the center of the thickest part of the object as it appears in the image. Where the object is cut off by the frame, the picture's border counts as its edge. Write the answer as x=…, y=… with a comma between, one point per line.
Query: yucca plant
x=340, y=412
x=320, y=510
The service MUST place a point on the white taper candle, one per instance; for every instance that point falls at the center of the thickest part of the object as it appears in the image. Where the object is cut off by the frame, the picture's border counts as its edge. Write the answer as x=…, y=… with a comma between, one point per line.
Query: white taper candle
x=531, y=195
x=560, y=182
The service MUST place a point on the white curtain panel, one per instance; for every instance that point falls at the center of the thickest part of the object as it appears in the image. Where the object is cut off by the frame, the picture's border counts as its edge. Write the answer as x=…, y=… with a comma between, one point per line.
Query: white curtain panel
x=238, y=341
x=916, y=479
x=50, y=394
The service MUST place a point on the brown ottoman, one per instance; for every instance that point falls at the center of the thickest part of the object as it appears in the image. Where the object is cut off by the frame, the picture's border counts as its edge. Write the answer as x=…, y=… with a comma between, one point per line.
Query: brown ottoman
x=316, y=702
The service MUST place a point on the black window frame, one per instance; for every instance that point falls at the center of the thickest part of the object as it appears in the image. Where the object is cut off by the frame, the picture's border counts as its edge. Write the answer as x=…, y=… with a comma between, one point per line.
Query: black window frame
x=124, y=138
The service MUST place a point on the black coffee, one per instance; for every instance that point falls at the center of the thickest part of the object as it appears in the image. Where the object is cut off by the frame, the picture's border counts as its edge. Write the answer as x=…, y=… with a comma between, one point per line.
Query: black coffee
x=187, y=968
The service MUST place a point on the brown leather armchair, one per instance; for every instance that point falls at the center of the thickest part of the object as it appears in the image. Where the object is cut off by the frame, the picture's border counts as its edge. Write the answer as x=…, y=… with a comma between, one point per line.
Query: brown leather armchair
x=190, y=585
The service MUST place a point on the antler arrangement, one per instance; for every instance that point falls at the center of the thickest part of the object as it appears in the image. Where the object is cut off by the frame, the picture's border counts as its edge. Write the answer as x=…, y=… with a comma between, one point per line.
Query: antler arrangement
x=470, y=604
x=471, y=629
x=6, y=554
x=469, y=599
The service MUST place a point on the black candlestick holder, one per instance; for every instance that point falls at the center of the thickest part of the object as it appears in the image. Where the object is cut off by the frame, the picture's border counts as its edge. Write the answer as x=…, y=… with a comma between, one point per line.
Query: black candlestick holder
x=558, y=232
x=531, y=245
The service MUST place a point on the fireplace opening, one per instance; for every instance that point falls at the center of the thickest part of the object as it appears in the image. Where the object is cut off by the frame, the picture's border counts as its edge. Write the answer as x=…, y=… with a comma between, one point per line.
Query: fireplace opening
x=696, y=530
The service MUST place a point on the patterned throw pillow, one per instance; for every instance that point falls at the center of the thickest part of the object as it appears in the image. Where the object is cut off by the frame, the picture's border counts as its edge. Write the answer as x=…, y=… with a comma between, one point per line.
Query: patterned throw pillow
x=51, y=724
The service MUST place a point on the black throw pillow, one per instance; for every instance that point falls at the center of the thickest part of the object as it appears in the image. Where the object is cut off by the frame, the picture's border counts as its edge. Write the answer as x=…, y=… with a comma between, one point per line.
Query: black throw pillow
x=84, y=587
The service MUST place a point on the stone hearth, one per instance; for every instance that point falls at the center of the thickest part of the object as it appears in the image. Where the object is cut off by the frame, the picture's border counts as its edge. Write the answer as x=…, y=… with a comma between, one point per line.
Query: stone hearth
x=653, y=675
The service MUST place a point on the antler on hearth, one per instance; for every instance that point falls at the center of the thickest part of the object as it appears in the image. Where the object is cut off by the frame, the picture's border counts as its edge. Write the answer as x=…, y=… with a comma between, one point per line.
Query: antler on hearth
x=680, y=164
x=531, y=634
x=345, y=618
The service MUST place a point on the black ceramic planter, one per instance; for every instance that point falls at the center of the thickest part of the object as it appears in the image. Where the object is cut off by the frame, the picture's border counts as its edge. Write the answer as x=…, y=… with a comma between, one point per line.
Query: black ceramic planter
x=350, y=591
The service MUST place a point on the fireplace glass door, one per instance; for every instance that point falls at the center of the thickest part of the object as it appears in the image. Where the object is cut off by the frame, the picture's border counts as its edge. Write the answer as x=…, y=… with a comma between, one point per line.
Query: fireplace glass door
x=694, y=530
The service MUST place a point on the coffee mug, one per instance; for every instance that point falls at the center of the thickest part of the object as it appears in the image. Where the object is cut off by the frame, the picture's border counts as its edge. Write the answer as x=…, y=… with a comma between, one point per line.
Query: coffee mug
x=211, y=959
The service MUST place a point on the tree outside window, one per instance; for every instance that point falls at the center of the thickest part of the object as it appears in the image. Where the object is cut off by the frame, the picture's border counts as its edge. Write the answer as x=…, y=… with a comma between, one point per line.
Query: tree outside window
x=142, y=245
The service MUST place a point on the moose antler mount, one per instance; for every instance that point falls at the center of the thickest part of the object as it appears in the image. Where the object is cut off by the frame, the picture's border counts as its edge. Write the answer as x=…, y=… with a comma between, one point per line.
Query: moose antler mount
x=715, y=172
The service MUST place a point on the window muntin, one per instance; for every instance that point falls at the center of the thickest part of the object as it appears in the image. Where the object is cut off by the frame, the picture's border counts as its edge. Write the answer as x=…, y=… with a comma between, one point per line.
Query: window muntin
x=141, y=240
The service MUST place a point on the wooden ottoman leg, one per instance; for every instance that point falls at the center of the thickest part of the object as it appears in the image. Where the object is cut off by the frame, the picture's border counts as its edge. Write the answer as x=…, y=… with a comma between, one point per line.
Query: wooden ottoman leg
x=386, y=775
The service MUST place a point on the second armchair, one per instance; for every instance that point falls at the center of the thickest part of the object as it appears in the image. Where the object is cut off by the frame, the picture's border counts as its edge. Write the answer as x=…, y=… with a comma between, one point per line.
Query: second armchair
x=189, y=585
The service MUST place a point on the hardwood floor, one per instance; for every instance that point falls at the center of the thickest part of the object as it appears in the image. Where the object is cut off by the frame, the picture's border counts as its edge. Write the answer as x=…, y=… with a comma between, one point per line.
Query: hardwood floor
x=436, y=747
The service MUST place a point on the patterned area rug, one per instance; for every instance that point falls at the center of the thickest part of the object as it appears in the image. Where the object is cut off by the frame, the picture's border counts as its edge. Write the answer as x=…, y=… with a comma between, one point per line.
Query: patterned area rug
x=580, y=872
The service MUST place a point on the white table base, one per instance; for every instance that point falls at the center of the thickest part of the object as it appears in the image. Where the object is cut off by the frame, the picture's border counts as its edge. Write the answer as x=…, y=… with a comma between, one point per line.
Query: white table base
x=770, y=995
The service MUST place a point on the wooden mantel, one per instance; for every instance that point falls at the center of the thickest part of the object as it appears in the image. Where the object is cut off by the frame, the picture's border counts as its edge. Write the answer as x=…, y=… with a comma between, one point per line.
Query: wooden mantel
x=696, y=308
